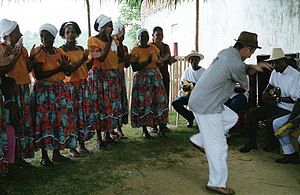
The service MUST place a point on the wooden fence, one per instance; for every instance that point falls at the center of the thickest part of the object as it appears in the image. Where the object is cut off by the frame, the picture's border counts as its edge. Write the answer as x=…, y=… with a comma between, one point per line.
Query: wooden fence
x=175, y=71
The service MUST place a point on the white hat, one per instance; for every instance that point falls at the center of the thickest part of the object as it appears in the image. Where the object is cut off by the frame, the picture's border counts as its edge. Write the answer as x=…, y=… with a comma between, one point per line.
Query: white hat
x=6, y=27
x=50, y=28
x=277, y=53
x=102, y=20
x=194, y=53
x=138, y=34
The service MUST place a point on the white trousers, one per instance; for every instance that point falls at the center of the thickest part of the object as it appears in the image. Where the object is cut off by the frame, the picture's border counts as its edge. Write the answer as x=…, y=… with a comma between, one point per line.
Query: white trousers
x=285, y=141
x=212, y=138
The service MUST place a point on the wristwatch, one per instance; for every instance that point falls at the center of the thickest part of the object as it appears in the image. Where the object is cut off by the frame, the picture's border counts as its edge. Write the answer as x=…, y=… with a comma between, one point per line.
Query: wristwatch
x=277, y=100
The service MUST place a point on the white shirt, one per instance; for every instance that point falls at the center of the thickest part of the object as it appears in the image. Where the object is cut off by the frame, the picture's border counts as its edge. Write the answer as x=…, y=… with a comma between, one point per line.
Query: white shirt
x=288, y=82
x=192, y=75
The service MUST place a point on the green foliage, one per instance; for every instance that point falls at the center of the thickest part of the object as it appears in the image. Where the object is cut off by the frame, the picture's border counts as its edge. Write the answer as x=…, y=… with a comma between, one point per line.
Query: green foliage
x=130, y=17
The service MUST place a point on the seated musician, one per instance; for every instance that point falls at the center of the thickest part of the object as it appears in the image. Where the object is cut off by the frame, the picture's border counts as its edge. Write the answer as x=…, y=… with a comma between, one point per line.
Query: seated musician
x=239, y=98
x=188, y=80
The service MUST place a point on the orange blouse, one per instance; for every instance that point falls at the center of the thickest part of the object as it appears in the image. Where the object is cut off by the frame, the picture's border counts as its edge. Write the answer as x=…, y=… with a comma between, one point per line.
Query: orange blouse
x=19, y=72
x=50, y=62
x=111, y=61
x=144, y=53
x=81, y=72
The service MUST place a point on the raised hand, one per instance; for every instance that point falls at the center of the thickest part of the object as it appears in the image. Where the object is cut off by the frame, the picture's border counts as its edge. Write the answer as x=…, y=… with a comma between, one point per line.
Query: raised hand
x=64, y=62
x=97, y=54
x=34, y=51
x=85, y=55
x=263, y=65
x=172, y=59
x=121, y=33
x=19, y=43
x=8, y=51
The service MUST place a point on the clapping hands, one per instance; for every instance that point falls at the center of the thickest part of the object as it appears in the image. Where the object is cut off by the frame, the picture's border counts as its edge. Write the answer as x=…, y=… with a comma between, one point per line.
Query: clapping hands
x=64, y=65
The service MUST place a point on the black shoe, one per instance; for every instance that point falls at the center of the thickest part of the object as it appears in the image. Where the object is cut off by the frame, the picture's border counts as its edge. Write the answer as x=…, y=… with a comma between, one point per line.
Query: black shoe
x=60, y=158
x=162, y=133
x=155, y=129
x=167, y=130
x=46, y=162
x=146, y=135
x=248, y=148
x=289, y=158
x=190, y=124
x=101, y=145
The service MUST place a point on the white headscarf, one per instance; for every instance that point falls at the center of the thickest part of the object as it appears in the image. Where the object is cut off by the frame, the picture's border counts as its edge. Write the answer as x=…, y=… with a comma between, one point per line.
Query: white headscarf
x=6, y=27
x=117, y=28
x=50, y=28
x=102, y=20
x=138, y=34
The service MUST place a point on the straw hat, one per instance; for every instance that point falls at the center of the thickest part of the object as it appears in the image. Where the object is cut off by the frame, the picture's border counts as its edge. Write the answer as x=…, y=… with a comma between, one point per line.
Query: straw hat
x=194, y=53
x=277, y=53
x=248, y=38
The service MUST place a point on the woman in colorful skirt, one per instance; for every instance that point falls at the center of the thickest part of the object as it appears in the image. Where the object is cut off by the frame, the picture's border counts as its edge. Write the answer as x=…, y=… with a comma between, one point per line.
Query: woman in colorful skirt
x=10, y=32
x=104, y=80
x=77, y=85
x=123, y=63
x=165, y=58
x=53, y=128
x=149, y=98
x=7, y=59
x=9, y=88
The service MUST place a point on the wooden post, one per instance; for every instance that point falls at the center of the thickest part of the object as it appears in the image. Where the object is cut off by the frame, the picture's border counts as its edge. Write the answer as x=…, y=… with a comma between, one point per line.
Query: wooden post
x=88, y=16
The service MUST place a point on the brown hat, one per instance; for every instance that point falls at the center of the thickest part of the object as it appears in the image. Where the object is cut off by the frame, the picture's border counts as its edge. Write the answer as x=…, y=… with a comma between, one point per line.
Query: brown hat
x=248, y=38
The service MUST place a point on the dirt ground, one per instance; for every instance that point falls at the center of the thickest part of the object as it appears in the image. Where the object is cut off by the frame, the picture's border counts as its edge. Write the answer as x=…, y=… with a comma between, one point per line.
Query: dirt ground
x=251, y=173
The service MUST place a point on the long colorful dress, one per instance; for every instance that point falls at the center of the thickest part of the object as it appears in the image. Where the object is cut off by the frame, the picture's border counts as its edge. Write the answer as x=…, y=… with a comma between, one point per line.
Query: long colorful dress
x=54, y=129
x=24, y=135
x=105, y=87
x=124, y=100
x=149, y=98
x=79, y=93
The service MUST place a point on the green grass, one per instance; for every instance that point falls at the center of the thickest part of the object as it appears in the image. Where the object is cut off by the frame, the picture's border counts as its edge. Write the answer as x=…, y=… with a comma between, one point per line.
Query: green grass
x=105, y=170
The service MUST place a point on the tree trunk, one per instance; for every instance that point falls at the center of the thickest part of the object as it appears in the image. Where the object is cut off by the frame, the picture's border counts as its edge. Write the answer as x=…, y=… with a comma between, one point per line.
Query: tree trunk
x=88, y=16
x=197, y=26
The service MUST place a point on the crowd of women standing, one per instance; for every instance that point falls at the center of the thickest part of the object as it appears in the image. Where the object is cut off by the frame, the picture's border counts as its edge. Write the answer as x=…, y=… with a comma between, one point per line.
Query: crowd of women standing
x=76, y=93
